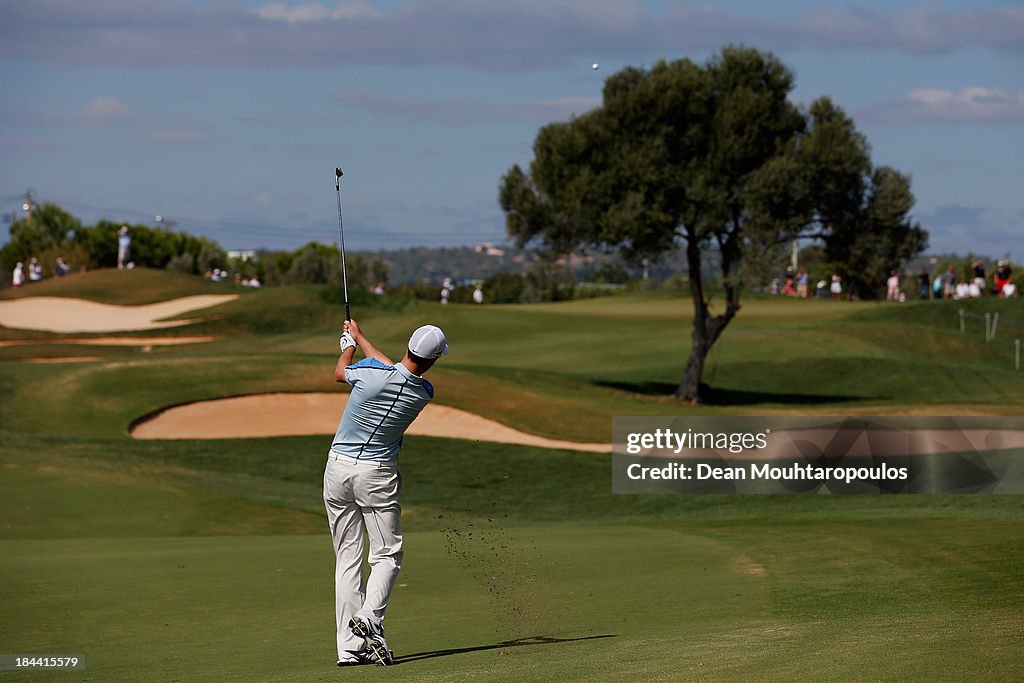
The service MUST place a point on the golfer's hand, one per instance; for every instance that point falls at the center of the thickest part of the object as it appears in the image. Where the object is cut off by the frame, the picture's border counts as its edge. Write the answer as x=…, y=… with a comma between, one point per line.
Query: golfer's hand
x=352, y=328
x=346, y=342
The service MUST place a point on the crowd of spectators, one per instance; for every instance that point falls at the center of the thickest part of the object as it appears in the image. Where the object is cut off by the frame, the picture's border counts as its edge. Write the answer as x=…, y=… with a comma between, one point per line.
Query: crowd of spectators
x=218, y=275
x=32, y=273
x=940, y=284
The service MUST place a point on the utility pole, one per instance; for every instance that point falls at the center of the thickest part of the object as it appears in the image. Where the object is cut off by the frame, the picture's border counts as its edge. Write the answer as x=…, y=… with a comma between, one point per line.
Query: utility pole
x=164, y=221
x=28, y=204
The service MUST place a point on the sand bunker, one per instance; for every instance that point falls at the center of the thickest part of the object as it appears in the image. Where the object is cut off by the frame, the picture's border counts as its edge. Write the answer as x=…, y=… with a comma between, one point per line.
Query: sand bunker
x=318, y=413
x=61, y=359
x=112, y=341
x=58, y=314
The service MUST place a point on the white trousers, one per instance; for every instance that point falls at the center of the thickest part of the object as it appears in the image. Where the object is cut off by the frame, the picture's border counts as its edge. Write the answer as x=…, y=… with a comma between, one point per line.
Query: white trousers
x=361, y=497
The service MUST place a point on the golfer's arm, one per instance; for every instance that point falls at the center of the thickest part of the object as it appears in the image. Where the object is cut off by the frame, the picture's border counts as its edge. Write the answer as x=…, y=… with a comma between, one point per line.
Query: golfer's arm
x=372, y=351
x=344, y=360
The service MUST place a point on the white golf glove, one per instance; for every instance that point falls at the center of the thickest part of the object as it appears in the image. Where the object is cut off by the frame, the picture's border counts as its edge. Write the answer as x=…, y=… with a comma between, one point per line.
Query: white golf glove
x=346, y=341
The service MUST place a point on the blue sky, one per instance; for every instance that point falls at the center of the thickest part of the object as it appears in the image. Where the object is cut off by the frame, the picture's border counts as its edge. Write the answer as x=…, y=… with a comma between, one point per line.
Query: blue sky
x=230, y=116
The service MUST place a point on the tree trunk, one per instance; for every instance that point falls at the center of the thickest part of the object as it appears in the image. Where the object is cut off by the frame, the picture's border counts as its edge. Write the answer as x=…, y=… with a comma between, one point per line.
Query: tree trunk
x=690, y=387
x=705, y=333
x=706, y=327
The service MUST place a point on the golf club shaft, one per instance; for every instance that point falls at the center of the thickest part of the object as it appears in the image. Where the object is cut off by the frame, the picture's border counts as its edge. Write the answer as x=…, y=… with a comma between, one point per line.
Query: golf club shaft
x=341, y=231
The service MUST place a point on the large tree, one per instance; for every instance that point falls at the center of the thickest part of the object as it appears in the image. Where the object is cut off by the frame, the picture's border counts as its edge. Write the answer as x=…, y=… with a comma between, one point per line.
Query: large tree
x=49, y=226
x=706, y=157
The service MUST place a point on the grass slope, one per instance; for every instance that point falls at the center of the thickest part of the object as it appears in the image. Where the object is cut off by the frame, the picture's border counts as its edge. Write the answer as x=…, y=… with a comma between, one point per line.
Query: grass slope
x=123, y=287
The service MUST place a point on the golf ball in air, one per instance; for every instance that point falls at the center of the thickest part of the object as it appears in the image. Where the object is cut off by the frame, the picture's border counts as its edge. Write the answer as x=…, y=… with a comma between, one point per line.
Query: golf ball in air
x=594, y=66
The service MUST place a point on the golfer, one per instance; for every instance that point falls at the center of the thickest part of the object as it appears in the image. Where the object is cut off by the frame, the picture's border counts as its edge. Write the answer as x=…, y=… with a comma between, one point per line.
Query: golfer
x=362, y=483
x=124, y=246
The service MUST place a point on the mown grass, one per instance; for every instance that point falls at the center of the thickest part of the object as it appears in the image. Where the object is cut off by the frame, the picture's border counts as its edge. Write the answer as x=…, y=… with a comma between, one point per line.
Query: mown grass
x=185, y=560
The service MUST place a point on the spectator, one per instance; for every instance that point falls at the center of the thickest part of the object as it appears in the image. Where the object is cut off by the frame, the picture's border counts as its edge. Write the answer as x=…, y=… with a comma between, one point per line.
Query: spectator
x=478, y=295
x=788, y=281
x=445, y=293
x=819, y=290
x=950, y=287
x=973, y=290
x=892, y=286
x=35, y=270
x=124, y=245
x=924, y=281
x=937, y=287
x=962, y=290
x=979, y=273
x=837, y=286
x=802, y=281
x=18, y=278
x=60, y=269
x=379, y=289
x=1003, y=277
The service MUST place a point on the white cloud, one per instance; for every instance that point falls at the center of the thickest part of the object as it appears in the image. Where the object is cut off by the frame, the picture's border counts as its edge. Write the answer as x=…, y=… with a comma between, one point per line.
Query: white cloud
x=512, y=35
x=177, y=136
x=108, y=110
x=972, y=104
x=314, y=12
x=101, y=111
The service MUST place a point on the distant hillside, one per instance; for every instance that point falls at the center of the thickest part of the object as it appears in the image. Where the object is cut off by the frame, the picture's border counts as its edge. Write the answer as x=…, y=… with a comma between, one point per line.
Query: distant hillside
x=434, y=264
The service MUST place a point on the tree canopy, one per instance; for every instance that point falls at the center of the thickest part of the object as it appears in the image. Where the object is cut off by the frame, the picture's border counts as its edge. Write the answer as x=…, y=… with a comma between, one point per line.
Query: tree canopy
x=51, y=231
x=710, y=156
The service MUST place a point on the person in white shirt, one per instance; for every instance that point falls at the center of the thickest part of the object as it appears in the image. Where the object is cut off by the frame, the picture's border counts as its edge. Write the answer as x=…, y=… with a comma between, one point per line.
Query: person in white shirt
x=893, y=285
x=18, y=278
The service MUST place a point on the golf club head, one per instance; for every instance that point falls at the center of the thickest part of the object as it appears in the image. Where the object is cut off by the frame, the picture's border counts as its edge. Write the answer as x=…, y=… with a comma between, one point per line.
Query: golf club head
x=338, y=173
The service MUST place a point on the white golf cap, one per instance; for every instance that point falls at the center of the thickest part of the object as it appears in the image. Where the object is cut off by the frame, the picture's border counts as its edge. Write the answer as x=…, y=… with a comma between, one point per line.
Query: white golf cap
x=428, y=342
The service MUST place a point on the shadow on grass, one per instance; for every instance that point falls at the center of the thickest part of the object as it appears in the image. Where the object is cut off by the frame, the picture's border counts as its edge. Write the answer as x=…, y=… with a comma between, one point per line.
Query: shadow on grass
x=717, y=396
x=518, y=642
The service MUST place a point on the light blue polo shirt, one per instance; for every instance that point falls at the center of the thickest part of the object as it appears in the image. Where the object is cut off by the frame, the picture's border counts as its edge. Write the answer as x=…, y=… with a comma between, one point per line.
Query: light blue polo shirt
x=384, y=401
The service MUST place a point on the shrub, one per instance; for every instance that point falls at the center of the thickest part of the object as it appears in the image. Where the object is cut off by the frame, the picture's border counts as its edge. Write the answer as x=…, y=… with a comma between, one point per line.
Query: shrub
x=504, y=288
x=182, y=263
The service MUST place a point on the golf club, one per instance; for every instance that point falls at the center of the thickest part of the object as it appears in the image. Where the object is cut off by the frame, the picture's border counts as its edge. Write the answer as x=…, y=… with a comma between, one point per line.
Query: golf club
x=341, y=231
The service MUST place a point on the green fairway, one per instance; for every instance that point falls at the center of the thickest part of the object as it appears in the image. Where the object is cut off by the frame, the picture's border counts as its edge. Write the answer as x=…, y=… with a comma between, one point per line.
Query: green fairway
x=210, y=560
x=606, y=601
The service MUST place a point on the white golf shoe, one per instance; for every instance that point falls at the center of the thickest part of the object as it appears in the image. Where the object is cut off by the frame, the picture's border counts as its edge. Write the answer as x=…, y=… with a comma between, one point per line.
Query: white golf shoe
x=377, y=650
x=352, y=659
